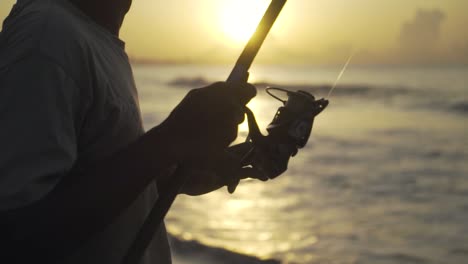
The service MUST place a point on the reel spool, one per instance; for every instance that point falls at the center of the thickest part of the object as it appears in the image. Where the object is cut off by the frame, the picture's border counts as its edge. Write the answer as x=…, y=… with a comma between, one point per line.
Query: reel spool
x=293, y=121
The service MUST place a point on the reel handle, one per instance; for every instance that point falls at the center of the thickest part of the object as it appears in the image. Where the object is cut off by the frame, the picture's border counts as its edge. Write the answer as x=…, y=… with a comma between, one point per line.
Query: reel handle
x=244, y=150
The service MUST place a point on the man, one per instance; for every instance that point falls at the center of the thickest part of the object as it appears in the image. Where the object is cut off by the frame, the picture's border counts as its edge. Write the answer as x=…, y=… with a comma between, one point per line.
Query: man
x=77, y=172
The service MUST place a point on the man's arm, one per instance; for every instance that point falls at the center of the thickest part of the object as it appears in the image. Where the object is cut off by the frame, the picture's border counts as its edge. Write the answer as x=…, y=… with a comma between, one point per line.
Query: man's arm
x=39, y=110
x=85, y=202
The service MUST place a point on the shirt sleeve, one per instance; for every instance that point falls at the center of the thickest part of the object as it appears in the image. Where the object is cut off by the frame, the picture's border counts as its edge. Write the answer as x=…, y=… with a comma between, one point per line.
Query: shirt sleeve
x=39, y=104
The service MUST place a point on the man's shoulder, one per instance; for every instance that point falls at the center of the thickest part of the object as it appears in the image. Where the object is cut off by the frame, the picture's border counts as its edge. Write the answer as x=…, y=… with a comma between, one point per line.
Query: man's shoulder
x=53, y=28
x=65, y=28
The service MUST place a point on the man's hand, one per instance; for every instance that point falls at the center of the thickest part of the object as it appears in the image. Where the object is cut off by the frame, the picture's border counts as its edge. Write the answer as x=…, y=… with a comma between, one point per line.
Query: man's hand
x=223, y=170
x=206, y=121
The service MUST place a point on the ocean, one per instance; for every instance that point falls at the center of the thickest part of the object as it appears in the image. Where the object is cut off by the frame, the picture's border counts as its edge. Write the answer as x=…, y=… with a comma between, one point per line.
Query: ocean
x=383, y=179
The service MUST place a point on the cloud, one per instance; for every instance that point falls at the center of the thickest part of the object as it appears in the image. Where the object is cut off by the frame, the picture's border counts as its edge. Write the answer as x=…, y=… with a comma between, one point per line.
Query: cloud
x=422, y=32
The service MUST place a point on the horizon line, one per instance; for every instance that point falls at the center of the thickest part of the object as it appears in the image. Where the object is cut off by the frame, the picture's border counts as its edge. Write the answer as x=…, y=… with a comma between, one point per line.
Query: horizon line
x=187, y=61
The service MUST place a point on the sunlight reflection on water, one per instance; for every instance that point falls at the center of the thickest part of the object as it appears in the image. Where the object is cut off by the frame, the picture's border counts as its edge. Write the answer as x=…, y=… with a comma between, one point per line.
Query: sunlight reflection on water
x=379, y=181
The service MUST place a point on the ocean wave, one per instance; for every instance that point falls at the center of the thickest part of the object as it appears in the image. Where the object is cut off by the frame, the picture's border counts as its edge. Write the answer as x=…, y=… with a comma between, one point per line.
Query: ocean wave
x=321, y=88
x=460, y=107
x=189, y=82
x=460, y=251
x=205, y=254
x=341, y=90
x=346, y=90
x=399, y=258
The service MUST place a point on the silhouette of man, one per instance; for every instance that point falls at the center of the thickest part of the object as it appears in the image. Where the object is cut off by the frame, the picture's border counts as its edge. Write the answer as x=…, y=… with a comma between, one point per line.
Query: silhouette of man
x=77, y=172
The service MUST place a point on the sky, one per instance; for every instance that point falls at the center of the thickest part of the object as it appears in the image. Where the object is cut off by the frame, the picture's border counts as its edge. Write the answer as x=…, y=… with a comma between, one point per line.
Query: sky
x=397, y=32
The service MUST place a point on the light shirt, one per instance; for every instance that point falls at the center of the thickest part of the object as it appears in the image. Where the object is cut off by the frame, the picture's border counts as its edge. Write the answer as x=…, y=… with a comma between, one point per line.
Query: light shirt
x=67, y=99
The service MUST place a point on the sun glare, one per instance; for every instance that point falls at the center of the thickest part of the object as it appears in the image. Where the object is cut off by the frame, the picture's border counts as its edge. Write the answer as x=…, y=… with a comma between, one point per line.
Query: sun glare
x=239, y=18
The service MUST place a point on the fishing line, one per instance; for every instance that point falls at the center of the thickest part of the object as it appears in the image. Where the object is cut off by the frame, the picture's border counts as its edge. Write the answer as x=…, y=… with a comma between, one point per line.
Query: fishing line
x=341, y=74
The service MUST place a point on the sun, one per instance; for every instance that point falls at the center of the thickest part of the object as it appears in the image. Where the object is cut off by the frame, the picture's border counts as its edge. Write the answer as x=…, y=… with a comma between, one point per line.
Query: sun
x=239, y=18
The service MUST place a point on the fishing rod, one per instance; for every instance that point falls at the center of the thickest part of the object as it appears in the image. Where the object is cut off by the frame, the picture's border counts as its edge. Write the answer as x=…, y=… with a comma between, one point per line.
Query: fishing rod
x=239, y=74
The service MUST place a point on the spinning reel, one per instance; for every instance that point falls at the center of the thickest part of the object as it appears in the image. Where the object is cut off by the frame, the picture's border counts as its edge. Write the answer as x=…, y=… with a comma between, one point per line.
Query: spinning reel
x=288, y=131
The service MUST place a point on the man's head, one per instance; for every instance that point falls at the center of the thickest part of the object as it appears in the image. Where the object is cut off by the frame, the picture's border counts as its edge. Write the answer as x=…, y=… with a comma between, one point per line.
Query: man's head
x=108, y=13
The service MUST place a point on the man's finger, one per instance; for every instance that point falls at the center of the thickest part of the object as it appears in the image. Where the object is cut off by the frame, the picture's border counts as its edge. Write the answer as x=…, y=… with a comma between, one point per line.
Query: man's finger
x=252, y=173
x=242, y=92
